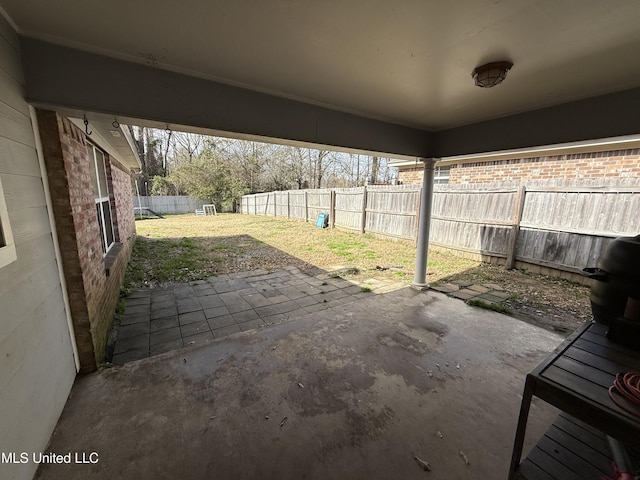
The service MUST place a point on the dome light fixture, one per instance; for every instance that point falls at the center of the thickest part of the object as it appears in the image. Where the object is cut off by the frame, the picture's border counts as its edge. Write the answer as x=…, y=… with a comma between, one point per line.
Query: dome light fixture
x=490, y=74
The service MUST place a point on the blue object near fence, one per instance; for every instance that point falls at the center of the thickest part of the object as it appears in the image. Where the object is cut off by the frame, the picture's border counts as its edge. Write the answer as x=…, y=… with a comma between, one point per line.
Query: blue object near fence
x=323, y=220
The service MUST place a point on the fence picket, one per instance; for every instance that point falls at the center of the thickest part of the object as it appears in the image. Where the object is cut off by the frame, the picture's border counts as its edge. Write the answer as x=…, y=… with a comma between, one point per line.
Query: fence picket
x=564, y=225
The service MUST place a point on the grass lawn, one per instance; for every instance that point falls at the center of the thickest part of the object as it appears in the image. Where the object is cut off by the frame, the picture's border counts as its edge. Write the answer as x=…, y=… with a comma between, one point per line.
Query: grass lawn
x=186, y=247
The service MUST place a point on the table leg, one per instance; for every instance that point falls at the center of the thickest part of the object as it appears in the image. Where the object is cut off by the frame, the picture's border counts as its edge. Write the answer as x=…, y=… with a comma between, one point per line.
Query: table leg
x=522, y=426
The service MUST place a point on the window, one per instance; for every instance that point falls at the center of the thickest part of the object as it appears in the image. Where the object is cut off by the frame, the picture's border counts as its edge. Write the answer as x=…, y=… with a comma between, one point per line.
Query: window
x=101, y=194
x=7, y=247
x=441, y=175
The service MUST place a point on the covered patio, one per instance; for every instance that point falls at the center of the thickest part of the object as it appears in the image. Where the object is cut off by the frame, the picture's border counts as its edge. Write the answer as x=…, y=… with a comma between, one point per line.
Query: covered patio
x=353, y=391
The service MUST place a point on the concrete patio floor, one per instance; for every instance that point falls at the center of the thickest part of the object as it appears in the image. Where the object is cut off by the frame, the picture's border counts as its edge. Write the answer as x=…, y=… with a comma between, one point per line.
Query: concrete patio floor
x=350, y=392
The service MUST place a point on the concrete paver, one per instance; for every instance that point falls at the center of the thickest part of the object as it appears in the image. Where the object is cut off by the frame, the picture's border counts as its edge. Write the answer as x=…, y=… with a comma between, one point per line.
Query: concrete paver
x=489, y=293
x=194, y=328
x=134, y=329
x=245, y=316
x=490, y=297
x=479, y=288
x=139, y=301
x=162, y=336
x=166, y=346
x=216, y=312
x=191, y=317
x=165, y=311
x=136, y=309
x=161, y=323
x=222, y=306
x=464, y=294
x=228, y=330
x=135, y=318
x=210, y=301
x=223, y=321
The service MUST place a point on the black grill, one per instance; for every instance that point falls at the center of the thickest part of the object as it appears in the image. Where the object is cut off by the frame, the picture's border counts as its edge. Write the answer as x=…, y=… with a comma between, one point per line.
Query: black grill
x=615, y=290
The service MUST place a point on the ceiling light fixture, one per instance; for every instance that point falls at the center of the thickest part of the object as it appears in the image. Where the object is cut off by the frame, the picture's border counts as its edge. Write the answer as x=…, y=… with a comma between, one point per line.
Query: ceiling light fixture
x=490, y=74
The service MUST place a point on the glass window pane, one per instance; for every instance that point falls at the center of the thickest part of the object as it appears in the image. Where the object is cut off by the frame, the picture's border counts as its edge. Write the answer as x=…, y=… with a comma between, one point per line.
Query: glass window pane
x=108, y=226
x=100, y=223
x=441, y=175
x=90, y=150
x=102, y=176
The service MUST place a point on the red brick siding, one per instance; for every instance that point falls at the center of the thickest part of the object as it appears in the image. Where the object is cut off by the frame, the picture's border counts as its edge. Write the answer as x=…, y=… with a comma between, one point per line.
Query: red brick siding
x=93, y=291
x=122, y=202
x=612, y=164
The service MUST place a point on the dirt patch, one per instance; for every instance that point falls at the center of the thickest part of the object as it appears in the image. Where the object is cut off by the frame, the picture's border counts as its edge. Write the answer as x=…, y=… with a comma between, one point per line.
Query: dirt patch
x=549, y=302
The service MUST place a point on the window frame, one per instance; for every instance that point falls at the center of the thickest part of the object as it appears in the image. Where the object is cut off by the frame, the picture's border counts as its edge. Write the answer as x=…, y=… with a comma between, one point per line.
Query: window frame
x=442, y=175
x=101, y=198
x=7, y=246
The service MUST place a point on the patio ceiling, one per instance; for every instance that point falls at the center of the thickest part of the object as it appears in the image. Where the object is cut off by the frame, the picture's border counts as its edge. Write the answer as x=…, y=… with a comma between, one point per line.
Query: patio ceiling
x=400, y=69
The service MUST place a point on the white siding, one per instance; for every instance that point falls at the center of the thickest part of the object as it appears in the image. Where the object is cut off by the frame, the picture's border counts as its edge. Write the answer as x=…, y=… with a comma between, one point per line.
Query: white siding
x=36, y=360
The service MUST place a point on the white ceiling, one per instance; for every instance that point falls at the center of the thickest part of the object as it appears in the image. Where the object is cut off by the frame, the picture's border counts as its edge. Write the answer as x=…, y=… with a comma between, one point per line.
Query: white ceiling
x=403, y=61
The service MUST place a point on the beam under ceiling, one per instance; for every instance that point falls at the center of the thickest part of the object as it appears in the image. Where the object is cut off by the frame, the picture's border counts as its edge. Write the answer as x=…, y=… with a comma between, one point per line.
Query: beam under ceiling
x=62, y=77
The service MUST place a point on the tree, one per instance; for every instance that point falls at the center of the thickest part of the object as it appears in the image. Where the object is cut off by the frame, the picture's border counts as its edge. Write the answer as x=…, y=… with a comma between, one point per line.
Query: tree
x=250, y=166
x=163, y=186
x=318, y=161
x=188, y=145
x=209, y=178
x=250, y=160
x=298, y=167
x=148, y=145
x=374, y=170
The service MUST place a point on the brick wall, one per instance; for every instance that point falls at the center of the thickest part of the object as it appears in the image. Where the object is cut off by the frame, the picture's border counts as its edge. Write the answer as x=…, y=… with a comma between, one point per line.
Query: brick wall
x=612, y=164
x=122, y=202
x=410, y=175
x=93, y=281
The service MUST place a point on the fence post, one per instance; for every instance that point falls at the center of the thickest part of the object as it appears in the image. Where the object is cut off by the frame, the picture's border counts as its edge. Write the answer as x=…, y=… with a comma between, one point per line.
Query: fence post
x=363, y=222
x=515, y=227
x=275, y=204
x=332, y=209
x=306, y=207
x=288, y=205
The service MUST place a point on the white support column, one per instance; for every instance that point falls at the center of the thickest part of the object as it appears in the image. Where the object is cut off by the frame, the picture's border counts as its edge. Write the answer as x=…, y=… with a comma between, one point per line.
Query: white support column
x=420, y=276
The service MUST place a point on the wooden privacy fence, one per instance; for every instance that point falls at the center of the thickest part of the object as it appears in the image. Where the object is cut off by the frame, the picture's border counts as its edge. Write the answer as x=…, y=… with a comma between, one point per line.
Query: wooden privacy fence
x=564, y=228
x=168, y=204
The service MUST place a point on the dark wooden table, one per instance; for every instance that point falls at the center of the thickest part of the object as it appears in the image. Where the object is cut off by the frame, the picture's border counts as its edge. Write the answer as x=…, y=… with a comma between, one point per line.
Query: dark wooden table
x=575, y=378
